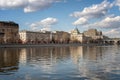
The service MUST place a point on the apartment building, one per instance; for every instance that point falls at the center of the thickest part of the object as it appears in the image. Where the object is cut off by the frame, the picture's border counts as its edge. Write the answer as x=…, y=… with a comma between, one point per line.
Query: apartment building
x=34, y=37
x=9, y=32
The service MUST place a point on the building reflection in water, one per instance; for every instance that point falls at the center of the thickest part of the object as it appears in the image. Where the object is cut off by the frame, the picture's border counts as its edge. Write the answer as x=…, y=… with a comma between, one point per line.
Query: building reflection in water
x=44, y=58
x=82, y=56
x=92, y=61
x=9, y=59
x=83, y=61
x=23, y=56
x=85, y=53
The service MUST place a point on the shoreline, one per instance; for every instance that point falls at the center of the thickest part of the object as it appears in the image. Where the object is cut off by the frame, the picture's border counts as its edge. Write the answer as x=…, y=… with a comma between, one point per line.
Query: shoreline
x=46, y=45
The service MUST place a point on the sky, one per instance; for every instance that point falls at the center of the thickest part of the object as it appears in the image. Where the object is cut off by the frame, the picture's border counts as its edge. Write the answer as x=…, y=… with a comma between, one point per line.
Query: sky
x=63, y=15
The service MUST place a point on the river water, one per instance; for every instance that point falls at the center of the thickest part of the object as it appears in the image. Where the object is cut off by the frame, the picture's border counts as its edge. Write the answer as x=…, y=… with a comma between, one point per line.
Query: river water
x=60, y=63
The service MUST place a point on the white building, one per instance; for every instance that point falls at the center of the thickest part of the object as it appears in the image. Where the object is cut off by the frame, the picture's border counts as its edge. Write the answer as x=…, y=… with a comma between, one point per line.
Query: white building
x=34, y=37
x=76, y=36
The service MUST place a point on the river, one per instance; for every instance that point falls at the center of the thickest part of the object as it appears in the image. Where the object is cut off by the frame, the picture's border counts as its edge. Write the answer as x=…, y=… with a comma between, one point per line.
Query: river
x=60, y=63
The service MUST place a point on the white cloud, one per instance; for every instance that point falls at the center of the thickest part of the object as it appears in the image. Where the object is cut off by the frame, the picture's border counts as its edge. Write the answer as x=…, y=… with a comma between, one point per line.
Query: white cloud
x=27, y=5
x=49, y=21
x=7, y=4
x=34, y=5
x=34, y=26
x=80, y=21
x=111, y=24
x=94, y=11
x=44, y=24
x=117, y=3
x=113, y=33
x=108, y=22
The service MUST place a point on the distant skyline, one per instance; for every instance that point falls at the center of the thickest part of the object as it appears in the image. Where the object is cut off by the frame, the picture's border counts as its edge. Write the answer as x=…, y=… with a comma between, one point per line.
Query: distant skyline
x=63, y=15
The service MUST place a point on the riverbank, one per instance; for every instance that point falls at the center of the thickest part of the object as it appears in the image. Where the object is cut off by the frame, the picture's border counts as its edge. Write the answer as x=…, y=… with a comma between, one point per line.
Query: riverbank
x=44, y=45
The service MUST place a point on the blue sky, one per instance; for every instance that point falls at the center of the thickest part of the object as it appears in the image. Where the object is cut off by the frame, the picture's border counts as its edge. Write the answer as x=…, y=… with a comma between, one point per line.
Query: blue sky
x=63, y=15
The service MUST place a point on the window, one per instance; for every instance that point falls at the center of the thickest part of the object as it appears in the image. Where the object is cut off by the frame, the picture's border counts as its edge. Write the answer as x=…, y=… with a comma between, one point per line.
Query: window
x=3, y=30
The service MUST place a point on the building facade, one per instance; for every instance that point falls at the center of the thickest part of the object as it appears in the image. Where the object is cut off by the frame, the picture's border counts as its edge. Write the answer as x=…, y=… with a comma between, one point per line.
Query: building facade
x=1, y=37
x=93, y=36
x=34, y=37
x=44, y=37
x=76, y=36
x=9, y=32
x=93, y=33
x=61, y=37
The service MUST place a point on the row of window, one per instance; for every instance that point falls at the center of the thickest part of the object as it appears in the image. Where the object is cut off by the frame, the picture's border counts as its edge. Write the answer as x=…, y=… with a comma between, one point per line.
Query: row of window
x=8, y=30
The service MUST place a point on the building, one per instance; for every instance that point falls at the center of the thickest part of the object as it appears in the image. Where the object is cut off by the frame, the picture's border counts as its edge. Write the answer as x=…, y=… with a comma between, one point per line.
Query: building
x=76, y=36
x=9, y=59
x=93, y=33
x=1, y=37
x=34, y=37
x=44, y=37
x=61, y=37
x=9, y=32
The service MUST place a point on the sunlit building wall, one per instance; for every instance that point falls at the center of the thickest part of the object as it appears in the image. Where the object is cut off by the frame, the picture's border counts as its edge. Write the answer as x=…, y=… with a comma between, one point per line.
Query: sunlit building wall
x=34, y=37
x=76, y=36
x=44, y=37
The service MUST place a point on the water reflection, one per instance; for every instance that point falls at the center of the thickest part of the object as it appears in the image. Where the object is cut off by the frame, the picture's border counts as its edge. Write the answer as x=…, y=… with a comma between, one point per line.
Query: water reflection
x=63, y=63
x=9, y=59
x=44, y=57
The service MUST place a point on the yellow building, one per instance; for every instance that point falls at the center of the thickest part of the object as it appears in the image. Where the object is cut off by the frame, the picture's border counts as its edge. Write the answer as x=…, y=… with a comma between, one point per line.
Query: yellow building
x=9, y=32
